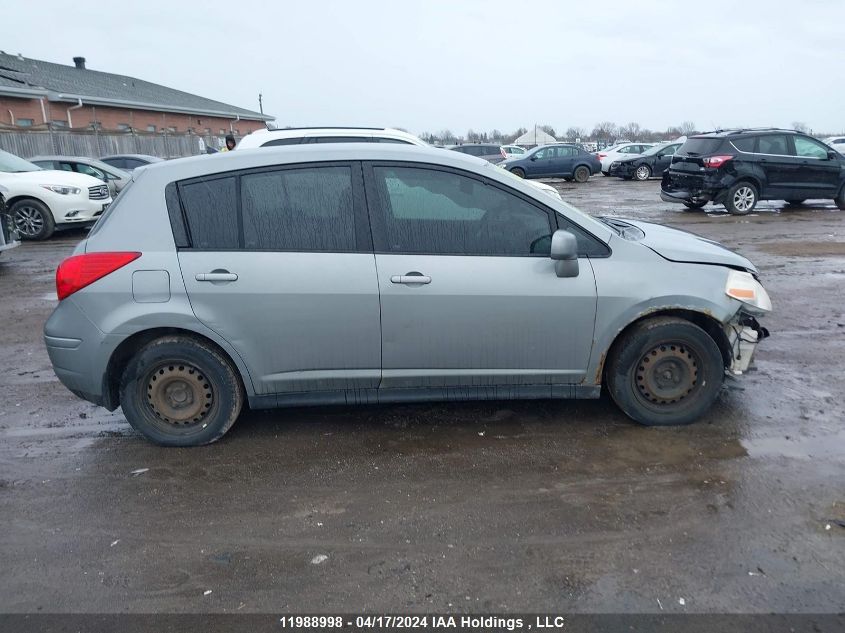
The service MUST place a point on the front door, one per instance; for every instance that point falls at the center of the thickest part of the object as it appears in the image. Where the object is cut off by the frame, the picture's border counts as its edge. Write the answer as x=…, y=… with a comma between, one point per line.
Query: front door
x=664, y=159
x=820, y=175
x=541, y=163
x=469, y=296
x=280, y=266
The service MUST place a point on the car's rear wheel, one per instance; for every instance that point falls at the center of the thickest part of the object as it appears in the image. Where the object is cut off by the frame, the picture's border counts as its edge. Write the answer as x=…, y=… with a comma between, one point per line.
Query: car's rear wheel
x=643, y=172
x=518, y=171
x=741, y=198
x=180, y=391
x=796, y=202
x=582, y=174
x=694, y=205
x=665, y=371
x=32, y=219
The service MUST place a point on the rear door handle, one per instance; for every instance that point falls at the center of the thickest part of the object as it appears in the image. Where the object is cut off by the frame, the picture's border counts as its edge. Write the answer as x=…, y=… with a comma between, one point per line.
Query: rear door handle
x=411, y=279
x=217, y=276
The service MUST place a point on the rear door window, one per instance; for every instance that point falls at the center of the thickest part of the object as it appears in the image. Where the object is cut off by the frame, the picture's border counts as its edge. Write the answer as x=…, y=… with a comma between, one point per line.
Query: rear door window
x=775, y=144
x=308, y=209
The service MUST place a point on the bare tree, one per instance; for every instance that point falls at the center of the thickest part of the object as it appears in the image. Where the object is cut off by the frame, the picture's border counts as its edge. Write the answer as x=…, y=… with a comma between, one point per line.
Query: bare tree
x=496, y=135
x=686, y=128
x=606, y=130
x=446, y=136
x=800, y=126
x=575, y=133
x=632, y=131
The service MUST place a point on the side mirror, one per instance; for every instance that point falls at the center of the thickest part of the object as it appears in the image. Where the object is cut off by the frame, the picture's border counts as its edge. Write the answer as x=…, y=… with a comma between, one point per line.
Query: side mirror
x=832, y=154
x=533, y=157
x=564, y=253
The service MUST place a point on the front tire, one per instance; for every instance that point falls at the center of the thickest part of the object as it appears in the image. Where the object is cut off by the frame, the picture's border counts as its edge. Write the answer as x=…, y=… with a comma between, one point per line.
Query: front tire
x=643, y=172
x=180, y=391
x=32, y=219
x=518, y=171
x=665, y=371
x=582, y=174
x=840, y=199
x=741, y=198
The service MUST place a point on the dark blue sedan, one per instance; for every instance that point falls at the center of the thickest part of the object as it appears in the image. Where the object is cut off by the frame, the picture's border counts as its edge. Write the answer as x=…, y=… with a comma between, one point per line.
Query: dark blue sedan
x=561, y=160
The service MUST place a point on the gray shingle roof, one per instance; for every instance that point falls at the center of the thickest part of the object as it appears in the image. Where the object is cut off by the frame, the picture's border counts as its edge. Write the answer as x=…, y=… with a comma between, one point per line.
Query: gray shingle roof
x=68, y=83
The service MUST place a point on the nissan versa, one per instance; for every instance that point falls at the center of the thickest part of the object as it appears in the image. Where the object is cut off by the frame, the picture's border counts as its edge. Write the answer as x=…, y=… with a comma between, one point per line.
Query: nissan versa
x=362, y=273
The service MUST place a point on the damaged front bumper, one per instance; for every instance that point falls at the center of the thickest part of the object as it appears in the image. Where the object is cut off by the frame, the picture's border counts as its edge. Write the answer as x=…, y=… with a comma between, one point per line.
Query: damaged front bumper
x=744, y=333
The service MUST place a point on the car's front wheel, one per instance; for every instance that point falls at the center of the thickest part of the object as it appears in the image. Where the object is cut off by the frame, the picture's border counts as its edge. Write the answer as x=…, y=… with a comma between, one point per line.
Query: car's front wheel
x=518, y=171
x=665, y=371
x=741, y=198
x=582, y=174
x=180, y=391
x=32, y=219
x=643, y=172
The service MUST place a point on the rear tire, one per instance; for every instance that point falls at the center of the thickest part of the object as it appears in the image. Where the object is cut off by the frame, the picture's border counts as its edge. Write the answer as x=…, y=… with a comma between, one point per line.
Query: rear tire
x=643, y=172
x=32, y=219
x=582, y=174
x=741, y=198
x=840, y=199
x=180, y=391
x=518, y=171
x=665, y=371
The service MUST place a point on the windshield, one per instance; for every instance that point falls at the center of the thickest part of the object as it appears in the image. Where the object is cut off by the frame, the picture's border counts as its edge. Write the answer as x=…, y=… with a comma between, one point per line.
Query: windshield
x=13, y=165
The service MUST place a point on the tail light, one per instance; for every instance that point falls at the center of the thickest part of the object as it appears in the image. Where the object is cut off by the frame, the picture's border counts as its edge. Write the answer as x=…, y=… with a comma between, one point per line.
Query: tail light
x=503, y=152
x=600, y=156
x=79, y=271
x=716, y=161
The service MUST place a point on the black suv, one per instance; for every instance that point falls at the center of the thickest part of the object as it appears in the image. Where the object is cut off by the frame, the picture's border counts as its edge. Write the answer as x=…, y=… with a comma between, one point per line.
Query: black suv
x=739, y=167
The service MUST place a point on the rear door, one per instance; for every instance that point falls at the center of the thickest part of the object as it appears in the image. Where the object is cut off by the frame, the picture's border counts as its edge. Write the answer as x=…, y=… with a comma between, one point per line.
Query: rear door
x=781, y=168
x=469, y=296
x=280, y=265
x=820, y=175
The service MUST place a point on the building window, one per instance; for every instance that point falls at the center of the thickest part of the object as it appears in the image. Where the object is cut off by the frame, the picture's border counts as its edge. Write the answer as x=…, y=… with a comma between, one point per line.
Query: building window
x=59, y=123
x=151, y=128
x=123, y=127
x=222, y=131
x=25, y=122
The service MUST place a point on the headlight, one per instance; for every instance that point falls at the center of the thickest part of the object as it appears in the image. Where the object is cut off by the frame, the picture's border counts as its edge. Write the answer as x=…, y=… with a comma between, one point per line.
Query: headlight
x=743, y=287
x=65, y=191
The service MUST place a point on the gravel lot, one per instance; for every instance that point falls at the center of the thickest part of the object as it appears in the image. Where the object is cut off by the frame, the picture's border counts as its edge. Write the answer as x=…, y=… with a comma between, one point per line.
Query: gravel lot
x=537, y=506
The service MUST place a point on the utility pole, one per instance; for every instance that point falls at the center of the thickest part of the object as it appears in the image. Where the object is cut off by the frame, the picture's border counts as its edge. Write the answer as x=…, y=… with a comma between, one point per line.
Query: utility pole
x=260, y=104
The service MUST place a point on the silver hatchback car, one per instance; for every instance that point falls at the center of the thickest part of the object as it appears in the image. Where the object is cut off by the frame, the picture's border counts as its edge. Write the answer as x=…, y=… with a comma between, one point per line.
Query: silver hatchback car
x=364, y=273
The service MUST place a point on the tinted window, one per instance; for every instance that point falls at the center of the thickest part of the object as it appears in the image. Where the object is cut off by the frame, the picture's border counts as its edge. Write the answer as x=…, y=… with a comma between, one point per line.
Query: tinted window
x=438, y=212
x=132, y=163
x=116, y=162
x=391, y=140
x=299, y=209
x=491, y=149
x=342, y=139
x=212, y=212
x=700, y=146
x=808, y=148
x=90, y=171
x=745, y=144
x=773, y=144
x=282, y=141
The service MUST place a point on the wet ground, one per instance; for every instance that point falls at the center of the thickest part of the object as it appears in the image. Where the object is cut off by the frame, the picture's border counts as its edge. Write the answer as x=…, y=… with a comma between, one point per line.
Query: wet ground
x=537, y=506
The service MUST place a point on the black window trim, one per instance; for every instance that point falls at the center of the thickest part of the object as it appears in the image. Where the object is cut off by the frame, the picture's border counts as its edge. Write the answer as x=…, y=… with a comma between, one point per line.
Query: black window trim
x=555, y=219
x=362, y=237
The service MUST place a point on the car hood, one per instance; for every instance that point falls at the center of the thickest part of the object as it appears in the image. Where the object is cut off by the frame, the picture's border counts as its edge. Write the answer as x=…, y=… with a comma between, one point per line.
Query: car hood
x=51, y=177
x=682, y=246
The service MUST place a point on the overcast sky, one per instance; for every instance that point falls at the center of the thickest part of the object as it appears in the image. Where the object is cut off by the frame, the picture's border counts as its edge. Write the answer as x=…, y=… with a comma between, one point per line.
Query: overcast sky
x=459, y=64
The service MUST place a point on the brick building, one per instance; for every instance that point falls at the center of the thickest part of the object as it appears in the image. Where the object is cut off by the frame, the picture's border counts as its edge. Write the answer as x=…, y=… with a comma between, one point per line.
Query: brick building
x=42, y=95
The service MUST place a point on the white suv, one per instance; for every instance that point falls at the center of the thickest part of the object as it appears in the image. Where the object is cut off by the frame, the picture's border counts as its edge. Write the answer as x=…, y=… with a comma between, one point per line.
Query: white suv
x=40, y=201
x=303, y=135
x=8, y=235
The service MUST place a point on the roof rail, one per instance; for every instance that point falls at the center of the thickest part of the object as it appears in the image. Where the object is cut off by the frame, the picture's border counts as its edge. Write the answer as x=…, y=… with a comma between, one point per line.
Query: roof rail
x=747, y=129
x=326, y=127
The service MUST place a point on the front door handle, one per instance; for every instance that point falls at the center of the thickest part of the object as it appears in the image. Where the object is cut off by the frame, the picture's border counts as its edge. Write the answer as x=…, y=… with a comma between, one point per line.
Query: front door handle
x=217, y=275
x=411, y=279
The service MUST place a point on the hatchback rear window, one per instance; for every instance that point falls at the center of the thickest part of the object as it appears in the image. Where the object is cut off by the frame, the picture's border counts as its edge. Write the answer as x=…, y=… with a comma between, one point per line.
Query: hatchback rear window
x=700, y=146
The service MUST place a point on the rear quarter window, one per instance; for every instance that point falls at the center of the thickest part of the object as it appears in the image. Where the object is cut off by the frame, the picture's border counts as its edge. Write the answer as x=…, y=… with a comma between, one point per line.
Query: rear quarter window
x=745, y=144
